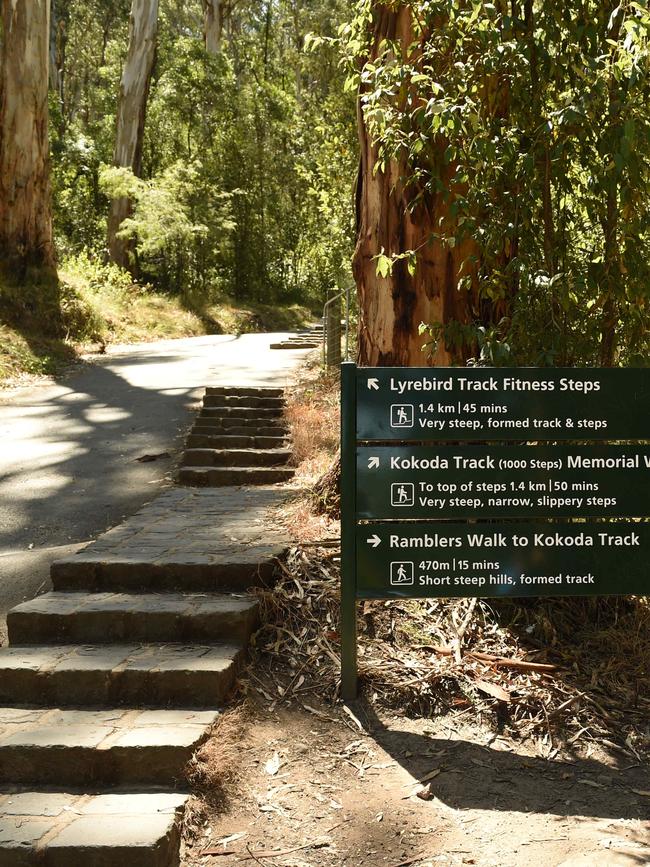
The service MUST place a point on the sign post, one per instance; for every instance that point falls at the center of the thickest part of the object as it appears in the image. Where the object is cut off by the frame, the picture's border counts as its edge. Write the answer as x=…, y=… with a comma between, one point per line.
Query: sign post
x=422, y=448
x=348, y=532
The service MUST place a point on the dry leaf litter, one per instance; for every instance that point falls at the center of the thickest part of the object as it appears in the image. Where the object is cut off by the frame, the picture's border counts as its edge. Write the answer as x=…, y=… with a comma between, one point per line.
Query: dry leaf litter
x=562, y=671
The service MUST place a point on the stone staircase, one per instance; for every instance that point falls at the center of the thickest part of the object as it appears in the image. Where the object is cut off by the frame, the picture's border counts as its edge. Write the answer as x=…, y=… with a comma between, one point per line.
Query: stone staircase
x=111, y=681
x=239, y=438
x=311, y=338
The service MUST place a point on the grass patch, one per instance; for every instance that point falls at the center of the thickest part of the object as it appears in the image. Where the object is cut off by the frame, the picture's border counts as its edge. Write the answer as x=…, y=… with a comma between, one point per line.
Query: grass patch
x=313, y=412
x=23, y=356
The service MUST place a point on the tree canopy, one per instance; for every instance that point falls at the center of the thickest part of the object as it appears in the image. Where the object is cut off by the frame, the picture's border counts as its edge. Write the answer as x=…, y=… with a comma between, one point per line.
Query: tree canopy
x=502, y=199
x=248, y=155
x=521, y=132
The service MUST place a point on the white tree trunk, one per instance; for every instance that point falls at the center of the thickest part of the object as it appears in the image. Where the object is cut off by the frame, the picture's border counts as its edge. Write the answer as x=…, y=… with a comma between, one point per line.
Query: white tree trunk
x=131, y=111
x=212, y=25
x=25, y=206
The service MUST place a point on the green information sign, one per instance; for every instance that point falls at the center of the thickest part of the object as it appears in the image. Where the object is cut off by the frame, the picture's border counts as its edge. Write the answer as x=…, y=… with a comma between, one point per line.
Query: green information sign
x=416, y=404
x=512, y=481
x=517, y=559
x=424, y=447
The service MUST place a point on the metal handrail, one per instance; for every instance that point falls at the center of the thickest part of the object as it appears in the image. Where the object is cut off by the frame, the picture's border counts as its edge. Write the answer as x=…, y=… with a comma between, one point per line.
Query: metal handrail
x=334, y=298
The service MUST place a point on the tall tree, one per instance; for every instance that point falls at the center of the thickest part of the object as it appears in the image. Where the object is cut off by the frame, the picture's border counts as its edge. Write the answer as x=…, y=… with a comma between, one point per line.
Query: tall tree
x=406, y=271
x=131, y=113
x=504, y=189
x=25, y=208
x=212, y=25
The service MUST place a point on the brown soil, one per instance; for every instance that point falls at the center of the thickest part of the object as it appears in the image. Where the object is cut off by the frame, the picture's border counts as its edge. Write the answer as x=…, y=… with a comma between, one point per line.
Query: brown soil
x=314, y=790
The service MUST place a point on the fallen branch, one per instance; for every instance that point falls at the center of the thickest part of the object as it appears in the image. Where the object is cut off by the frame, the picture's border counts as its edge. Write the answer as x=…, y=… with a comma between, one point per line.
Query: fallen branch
x=280, y=853
x=520, y=664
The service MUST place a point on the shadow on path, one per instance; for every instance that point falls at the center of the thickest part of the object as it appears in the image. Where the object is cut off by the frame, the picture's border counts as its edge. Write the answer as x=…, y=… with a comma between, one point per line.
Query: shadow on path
x=475, y=777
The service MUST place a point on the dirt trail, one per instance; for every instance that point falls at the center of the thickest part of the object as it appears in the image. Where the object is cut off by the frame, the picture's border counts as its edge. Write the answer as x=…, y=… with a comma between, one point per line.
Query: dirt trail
x=308, y=777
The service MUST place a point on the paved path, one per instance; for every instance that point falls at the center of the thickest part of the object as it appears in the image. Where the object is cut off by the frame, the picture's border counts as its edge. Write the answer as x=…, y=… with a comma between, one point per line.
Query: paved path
x=112, y=681
x=203, y=535
x=68, y=467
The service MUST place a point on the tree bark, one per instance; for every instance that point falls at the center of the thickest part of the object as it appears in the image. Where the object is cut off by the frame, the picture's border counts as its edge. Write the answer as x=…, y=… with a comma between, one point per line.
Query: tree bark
x=131, y=113
x=391, y=308
x=54, y=72
x=610, y=223
x=25, y=195
x=59, y=25
x=212, y=25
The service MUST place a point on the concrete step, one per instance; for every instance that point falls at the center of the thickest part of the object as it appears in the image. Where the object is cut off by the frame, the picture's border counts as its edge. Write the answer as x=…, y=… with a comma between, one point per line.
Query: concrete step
x=238, y=412
x=139, y=675
x=207, y=441
x=295, y=345
x=241, y=427
x=209, y=416
x=247, y=391
x=216, y=477
x=207, y=457
x=60, y=829
x=236, y=570
x=105, y=747
x=101, y=618
x=231, y=400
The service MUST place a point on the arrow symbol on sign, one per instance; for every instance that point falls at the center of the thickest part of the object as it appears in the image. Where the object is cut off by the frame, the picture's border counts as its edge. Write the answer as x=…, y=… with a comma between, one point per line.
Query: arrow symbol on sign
x=373, y=463
x=373, y=384
x=374, y=540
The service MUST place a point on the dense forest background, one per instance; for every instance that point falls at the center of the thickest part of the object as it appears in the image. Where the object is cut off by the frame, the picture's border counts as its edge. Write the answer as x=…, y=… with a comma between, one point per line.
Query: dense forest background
x=241, y=188
x=247, y=157
x=484, y=168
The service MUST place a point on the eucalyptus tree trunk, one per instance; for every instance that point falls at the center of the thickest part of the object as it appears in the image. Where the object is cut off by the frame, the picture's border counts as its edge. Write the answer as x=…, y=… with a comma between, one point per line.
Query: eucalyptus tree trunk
x=25, y=205
x=131, y=113
x=212, y=25
x=54, y=69
x=391, y=308
x=60, y=12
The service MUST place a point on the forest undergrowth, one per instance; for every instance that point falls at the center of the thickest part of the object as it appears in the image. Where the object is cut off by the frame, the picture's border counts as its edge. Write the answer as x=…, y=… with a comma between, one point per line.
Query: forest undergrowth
x=95, y=305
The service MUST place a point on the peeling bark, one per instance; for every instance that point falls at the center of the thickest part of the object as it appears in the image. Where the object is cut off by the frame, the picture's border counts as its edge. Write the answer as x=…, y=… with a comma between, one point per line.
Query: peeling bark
x=391, y=308
x=25, y=205
x=131, y=113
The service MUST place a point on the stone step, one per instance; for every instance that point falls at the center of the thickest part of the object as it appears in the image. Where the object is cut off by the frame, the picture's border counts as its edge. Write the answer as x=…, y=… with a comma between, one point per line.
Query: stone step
x=247, y=391
x=236, y=570
x=228, y=400
x=216, y=477
x=241, y=427
x=296, y=345
x=253, y=424
x=101, y=618
x=207, y=441
x=105, y=747
x=139, y=675
x=237, y=412
x=60, y=829
x=207, y=457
